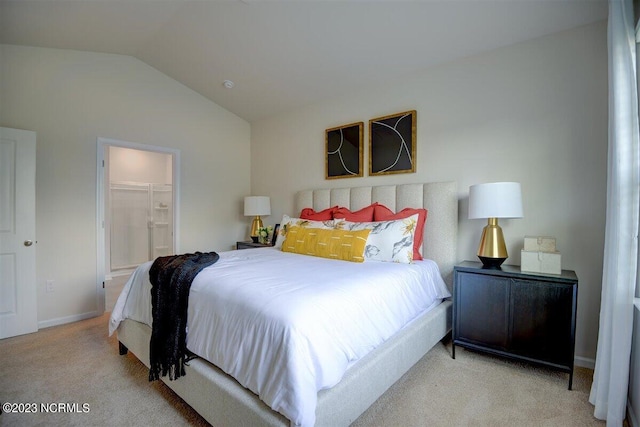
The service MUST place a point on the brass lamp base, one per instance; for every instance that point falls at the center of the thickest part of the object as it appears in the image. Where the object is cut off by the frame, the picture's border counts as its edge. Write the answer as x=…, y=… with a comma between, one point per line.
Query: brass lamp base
x=255, y=225
x=492, y=250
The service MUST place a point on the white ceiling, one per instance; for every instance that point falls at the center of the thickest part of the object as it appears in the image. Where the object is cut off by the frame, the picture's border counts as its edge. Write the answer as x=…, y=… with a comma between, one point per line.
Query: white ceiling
x=283, y=55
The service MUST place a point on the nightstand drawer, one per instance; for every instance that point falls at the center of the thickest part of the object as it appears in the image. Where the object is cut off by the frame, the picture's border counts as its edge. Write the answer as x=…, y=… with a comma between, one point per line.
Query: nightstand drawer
x=479, y=298
x=542, y=326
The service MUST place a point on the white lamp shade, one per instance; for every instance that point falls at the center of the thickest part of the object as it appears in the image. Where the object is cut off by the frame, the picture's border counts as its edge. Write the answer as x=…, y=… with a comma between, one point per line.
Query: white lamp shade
x=495, y=200
x=257, y=205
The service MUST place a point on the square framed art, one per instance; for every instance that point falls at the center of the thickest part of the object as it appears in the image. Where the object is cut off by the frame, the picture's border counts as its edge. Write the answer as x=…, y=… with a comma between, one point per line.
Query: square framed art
x=392, y=144
x=344, y=151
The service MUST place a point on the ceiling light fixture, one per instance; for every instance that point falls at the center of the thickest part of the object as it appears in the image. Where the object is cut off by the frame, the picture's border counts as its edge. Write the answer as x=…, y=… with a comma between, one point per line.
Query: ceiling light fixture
x=228, y=84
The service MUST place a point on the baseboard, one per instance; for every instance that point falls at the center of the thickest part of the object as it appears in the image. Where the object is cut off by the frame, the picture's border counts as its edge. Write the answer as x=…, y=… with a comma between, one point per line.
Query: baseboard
x=631, y=416
x=584, y=362
x=67, y=319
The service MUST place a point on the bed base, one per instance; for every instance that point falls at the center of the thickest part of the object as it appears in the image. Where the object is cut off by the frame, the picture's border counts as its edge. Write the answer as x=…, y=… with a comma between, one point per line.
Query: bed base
x=221, y=400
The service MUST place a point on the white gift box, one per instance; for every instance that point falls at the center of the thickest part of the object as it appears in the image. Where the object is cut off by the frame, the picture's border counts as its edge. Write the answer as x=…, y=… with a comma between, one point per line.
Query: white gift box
x=539, y=244
x=541, y=262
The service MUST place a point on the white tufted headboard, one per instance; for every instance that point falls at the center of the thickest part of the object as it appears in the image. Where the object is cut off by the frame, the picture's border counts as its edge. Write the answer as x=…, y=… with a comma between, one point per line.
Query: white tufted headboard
x=439, y=198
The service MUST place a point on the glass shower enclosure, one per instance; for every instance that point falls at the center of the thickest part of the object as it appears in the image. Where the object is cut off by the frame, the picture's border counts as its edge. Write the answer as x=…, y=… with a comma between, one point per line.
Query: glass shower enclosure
x=141, y=229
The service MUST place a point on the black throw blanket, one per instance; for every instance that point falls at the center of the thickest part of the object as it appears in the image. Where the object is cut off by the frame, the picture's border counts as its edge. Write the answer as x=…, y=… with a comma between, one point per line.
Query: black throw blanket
x=171, y=278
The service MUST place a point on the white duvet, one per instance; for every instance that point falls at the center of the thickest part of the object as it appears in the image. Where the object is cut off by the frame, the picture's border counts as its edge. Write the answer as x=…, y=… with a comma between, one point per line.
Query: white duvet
x=287, y=325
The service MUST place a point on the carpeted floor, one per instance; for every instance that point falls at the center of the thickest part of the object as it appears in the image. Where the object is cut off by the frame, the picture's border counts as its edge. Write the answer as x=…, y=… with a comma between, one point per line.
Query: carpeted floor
x=78, y=366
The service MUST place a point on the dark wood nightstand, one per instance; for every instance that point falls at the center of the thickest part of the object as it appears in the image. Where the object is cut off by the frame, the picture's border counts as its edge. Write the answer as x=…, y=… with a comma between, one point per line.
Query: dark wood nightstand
x=520, y=315
x=251, y=245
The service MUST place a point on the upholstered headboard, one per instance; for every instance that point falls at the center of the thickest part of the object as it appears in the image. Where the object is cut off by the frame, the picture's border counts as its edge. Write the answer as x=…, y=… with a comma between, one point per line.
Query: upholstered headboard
x=439, y=198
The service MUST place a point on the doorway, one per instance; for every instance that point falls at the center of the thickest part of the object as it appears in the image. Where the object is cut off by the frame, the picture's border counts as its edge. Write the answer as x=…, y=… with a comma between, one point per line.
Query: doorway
x=138, y=195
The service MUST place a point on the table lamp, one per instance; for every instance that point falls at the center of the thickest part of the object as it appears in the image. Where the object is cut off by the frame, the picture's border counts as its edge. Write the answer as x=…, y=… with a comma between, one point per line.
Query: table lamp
x=492, y=201
x=255, y=206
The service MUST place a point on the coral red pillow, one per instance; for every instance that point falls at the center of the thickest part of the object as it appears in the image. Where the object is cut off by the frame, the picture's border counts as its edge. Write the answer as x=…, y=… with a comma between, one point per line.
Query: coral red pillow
x=383, y=213
x=324, y=215
x=363, y=215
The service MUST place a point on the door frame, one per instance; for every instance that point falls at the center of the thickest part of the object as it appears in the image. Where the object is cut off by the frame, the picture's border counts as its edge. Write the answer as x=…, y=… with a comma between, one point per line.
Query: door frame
x=102, y=144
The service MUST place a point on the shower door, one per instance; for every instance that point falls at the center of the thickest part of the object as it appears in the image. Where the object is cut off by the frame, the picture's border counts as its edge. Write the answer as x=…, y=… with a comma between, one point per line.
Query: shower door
x=141, y=223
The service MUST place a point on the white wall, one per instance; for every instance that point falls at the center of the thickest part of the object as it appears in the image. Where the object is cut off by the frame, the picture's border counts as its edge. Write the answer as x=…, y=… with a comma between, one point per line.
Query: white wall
x=535, y=112
x=70, y=99
x=126, y=164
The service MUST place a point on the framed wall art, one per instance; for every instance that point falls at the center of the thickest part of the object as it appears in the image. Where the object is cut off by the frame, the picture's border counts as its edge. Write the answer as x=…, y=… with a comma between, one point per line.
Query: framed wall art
x=392, y=144
x=344, y=151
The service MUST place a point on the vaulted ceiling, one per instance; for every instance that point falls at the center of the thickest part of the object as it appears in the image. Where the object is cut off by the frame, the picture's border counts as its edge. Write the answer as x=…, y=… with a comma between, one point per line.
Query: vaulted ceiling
x=282, y=55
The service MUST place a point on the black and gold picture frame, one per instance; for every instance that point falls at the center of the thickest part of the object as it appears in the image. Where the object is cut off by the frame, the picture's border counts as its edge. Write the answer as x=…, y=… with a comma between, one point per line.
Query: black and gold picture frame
x=344, y=151
x=392, y=144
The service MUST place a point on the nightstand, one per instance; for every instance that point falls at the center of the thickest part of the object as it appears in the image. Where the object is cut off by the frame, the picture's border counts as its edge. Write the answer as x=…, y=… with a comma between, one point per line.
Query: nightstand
x=251, y=245
x=520, y=315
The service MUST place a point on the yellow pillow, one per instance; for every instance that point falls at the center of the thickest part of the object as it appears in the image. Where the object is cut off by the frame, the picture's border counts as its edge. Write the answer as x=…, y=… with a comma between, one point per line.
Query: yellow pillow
x=345, y=245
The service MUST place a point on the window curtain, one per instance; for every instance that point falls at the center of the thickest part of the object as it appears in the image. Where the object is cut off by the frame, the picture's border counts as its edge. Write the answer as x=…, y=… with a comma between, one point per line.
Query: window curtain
x=620, y=273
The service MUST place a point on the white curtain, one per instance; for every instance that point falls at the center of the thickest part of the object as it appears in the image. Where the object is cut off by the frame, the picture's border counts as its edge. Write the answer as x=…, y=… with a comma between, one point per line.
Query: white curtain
x=611, y=376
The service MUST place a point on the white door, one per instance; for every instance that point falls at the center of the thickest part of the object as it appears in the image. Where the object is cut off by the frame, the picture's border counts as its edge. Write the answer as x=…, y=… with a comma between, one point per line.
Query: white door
x=18, y=304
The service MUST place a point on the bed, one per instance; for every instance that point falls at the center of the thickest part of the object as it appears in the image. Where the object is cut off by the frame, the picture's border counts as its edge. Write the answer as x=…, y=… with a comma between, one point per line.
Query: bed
x=221, y=400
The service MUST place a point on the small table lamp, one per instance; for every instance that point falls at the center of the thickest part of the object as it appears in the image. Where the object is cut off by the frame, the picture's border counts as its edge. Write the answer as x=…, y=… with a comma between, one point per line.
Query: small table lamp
x=256, y=206
x=492, y=201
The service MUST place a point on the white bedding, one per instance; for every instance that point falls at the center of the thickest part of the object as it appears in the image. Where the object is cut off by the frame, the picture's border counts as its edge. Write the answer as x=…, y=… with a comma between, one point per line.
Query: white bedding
x=287, y=336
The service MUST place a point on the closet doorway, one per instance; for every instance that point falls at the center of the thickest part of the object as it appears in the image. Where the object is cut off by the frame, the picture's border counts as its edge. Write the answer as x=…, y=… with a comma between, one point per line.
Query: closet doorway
x=138, y=206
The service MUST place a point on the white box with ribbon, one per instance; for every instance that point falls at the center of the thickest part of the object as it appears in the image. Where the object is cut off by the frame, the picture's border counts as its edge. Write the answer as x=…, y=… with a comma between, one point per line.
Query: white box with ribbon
x=539, y=244
x=541, y=262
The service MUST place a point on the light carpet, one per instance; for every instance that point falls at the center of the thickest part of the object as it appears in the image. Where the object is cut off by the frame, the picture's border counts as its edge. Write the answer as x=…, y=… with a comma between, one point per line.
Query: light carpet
x=78, y=366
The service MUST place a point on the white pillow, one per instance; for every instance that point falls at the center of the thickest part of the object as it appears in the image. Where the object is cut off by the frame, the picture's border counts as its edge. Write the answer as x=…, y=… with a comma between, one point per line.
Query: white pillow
x=390, y=241
x=304, y=223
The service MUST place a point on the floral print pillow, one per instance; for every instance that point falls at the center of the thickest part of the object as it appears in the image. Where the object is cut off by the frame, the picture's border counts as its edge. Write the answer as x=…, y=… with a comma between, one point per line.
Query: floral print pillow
x=390, y=241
